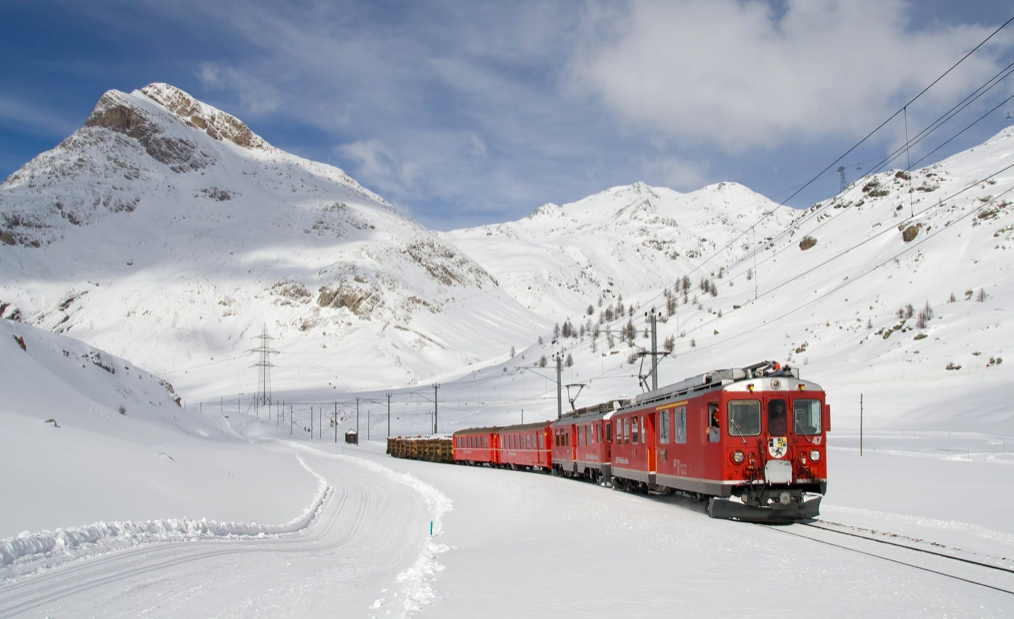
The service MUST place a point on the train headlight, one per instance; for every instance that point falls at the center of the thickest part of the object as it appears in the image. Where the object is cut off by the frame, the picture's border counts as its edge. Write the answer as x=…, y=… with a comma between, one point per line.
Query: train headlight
x=737, y=457
x=815, y=455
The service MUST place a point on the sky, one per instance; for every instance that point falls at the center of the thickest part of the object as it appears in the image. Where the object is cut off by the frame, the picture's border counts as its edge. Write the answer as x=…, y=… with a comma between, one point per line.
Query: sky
x=468, y=113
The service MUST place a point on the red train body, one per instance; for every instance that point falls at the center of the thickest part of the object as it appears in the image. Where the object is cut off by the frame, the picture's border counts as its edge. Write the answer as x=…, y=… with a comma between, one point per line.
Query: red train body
x=752, y=441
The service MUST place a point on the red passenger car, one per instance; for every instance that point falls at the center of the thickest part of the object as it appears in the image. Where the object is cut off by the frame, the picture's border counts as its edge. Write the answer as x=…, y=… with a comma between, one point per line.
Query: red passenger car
x=525, y=446
x=476, y=446
x=582, y=441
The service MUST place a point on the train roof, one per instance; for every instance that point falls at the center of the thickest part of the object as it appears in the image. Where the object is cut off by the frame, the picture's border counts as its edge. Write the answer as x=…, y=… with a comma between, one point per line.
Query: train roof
x=765, y=374
x=486, y=430
x=522, y=427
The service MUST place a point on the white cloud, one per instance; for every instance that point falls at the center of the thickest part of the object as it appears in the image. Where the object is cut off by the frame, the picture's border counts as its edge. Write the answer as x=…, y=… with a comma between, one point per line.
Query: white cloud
x=739, y=75
x=34, y=118
x=478, y=146
x=674, y=172
x=374, y=165
x=255, y=96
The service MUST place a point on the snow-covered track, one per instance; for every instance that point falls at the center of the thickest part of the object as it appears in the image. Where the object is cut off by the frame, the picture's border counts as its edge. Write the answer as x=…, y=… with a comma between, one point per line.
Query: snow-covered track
x=820, y=525
x=994, y=577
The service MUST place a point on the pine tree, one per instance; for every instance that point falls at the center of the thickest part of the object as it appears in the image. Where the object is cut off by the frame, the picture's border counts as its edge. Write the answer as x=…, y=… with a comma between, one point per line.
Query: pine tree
x=569, y=362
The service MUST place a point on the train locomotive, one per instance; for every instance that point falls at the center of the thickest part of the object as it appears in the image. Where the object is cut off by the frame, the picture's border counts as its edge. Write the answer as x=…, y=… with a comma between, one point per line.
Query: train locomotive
x=750, y=441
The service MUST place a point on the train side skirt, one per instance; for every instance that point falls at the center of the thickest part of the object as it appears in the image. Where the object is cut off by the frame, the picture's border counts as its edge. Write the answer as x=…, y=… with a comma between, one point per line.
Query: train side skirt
x=734, y=510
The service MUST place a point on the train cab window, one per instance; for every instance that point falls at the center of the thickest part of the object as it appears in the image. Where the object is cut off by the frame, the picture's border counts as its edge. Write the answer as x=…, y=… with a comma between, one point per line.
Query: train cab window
x=587, y=435
x=663, y=435
x=680, y=423
x=633, y=431
x=598, y=429
x=609, y=433
x=778, y=422
x=744, y=418
x=806, y=416
x=713, y=423
x=626, y=431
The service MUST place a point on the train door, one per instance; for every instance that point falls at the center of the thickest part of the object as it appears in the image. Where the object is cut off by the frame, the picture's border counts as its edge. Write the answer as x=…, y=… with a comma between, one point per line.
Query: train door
x=651, y=440
x=777, y=421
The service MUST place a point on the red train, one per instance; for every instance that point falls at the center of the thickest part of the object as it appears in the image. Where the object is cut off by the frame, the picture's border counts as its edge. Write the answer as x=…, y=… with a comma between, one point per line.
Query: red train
x=752, y=441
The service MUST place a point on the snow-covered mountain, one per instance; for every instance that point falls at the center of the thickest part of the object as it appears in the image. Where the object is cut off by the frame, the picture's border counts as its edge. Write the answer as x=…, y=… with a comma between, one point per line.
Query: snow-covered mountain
x=169, y=233
x=894, y=293
x=626, y=241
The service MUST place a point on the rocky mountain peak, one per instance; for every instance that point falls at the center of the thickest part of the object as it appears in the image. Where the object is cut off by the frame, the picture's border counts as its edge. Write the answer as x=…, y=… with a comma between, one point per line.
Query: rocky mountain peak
x=216, y=123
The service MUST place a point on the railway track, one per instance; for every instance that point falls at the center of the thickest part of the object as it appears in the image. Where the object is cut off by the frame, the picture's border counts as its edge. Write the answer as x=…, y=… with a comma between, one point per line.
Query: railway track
x=995, y=576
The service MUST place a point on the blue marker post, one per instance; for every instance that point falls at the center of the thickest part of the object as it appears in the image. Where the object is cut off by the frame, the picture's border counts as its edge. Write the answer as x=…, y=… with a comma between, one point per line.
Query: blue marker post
x=431, y=527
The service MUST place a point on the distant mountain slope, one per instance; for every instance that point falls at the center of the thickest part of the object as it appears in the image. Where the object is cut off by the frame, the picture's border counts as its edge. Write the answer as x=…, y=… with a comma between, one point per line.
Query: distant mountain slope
x=626, y=241
x=167, y=231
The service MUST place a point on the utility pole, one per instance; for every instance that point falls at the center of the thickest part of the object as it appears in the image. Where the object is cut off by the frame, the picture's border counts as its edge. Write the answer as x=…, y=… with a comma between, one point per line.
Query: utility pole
x=263, y=366
x=290, y=421
x=320, y=423
x=357, y=416
x=389, y=415
x=335, y=423
x=654, y=350
x=860, y=425
x=311, y=422
x=367, y=425
x=435, y=425
x=559, y=387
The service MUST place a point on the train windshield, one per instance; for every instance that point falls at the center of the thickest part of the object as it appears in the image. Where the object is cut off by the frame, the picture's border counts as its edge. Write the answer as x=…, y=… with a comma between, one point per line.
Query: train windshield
x=806, y=416
x=744, y=418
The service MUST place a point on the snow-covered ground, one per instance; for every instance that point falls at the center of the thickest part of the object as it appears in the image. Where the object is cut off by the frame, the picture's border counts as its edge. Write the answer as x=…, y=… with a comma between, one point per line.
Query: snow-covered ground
x=508, y=544
x=169, y=511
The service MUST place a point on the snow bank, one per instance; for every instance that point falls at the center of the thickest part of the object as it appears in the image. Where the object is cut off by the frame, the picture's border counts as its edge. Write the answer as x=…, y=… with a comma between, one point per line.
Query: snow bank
x=47, y=548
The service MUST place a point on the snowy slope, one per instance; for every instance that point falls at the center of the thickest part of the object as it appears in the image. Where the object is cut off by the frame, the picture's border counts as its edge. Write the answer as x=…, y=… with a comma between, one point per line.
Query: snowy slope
x=626, y=241
x=167, y=232
x=90, y=438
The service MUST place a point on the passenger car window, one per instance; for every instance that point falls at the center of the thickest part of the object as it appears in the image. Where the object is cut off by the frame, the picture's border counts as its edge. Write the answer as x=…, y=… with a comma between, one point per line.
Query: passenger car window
x=609, y=433
x=626, y=431
x=633, y=431
x=744, y=418
x=663, y=434
x=680, y=415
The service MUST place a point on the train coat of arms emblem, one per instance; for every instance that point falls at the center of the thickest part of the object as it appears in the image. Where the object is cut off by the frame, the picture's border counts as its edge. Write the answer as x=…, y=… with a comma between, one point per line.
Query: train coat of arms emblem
x=777, y=446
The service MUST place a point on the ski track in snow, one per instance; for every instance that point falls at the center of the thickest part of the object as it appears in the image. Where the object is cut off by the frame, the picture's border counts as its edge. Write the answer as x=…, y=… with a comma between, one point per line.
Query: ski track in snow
x=46, y=549
x=414, y=589
x=45, y=570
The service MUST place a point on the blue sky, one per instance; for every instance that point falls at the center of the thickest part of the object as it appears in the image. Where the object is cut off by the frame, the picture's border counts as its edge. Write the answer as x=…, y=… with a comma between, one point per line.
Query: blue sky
x=464, y=113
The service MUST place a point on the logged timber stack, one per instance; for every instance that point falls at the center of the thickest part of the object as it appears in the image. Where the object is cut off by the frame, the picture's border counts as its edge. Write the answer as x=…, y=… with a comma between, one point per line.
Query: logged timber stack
x=429, y=448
